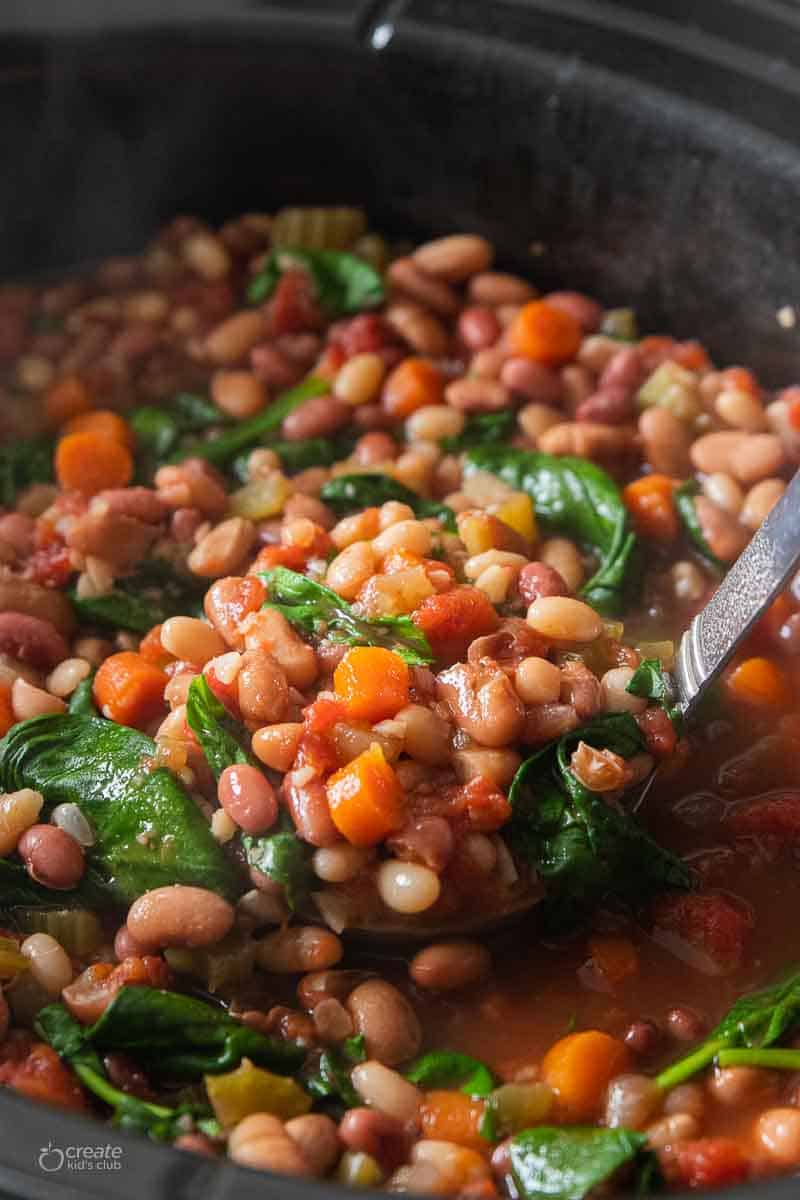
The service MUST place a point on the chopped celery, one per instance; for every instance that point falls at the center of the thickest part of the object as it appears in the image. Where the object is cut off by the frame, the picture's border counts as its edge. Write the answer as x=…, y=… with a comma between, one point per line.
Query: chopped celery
x=228, y=964
x=77, y=929
x=12, y=963
x=357, y=1169
x=620, y=323
x=672, y=387
x=251, y=1089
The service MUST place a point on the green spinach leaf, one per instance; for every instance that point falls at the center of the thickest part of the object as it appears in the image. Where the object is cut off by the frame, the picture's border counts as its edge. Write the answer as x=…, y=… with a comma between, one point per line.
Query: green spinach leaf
x=18, y=890
x=575, y=498
x=319, y=612
x=159, y=430
x=684, y=502
x=23, y=462
x=216, y=730
x=650, y=681
x=343, y=283
x=152, y=594
x=331, y=1078
x=754, y=1023
x=552, y=1163
x=449, y=1069
x=81, y=702
x=481, y=429
x=351, y=493
x=581, y=846
x=149, y=831
x=284, y=858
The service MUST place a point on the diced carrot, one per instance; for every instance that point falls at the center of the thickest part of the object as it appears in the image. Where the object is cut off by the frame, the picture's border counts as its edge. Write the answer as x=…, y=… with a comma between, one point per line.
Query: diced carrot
x=452, y=620
x=614, y=957
x=759, y=682
x=91, y=462
x=128, y=689
x=7, y=718
x=544, y=333
x=373, y=683
x=711, y=1162
x=413, y=383
x=152, y=651
x=579, y=1068
x=690, y=355
x=453, y=1117
x=651, y=503
x=102, y=421
x=365, y=799
x=740, y=379
x=66, y=398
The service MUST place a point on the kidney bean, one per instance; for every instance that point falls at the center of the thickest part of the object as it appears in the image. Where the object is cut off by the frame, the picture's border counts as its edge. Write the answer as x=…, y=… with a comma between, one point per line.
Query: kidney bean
x=179, y=915
x=125, y=945
x=532, y=380
x=456, y=257
x=587, y=312
x=317, y=1139
x=369, y=1131
x=405, y=277
x=248, y=798
x=477, y=395
x=478, y=328
x=624, y=370
x=448, y=966
x=51, y=857
x=299, y=949
x=643, y=1038
x=31, y=639
x=684, y=1024
x=307, y=802
x=427, y=840
x=317, y=417
x=610, y=404
x=222, y=550
x=391, y=1028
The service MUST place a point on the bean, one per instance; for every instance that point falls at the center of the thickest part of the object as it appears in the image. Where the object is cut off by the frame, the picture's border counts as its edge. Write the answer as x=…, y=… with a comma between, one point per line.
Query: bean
x=63, y=680
x=738, y=1086
x=611, y=404
x=192, y=484
x=458, y=1168
x=308, y=506
x=535, y=419
x=478, y=328
x=407, y=887
x=18, y=530
x=307, y=802
x=679, y=1127
x=240, y=394
x=642, y=1037
x=615, y=698
x=778, y=1132
x=192, y=640
x=539, y=579
x=667, y=441
x=327, y=985
x=448, y=966
x=179, y=915
x=298, y=949
x=597, y=351
x=229, y=342
x=496, y=766
x=412, y=536
x=741, y=410
x=487, y=364
x=631, y=1101
x=31, y=639
x=248, y=798
x=577, y=383
x=375, y=1133
x=375, y=448
x=222, y=550
x=560, y=618
x=261, y=1141
x=359, y=380
x=426, y=735
x=495, y=288
x=270, y=632
x=391, y=1029
x=686, y=1098
x=276, y=745
x=126, y=946
x=332, y=1021
x=684, y=1024
x=454, y=258
x=350, y=570
x=427, y=840
x=724, y=491
x=432, y=422
x=386, y=1090
x=206, y=254
x=339, y=864
x=406, y=277
x=588, y=439
x=714, y=451
x=624, y=369
x=50, y=963
x=483, y=702
x=532, y=380
x=725, y=537
x=760, y=501
x=51, y=857
x=262, y=688
x=587, y=312
x=317, y=1139
x=423, y=332
x=477, y=395
x=562, y=556
x=758, y=457
x=318, y=417
x=537, y=681
x=18, y=811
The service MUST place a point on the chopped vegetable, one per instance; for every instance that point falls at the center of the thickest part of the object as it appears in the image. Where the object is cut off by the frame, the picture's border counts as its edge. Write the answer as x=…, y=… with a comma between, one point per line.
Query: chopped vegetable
x=453, y=1117
x=284, y=858
x=343, y=283
x=248, y=1089
x=365, y=799
x=448, y=1068
x=372, y=682
x=150, y=595
x=651, y=503
x=220, y=736
x=128, y=689
x=549, y=1163
x=91, y=462
x=481, y=429
x=351, y=493
x=580, y=1067
x=684, y=503
x=759, y=682
x=545, y=334
x=413, y=383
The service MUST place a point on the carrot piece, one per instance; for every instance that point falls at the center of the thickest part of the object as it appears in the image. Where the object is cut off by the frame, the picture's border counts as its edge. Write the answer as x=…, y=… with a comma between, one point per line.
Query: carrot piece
x=365, y=799
x=152, y=651
x=760, y=682
x=614, y=957
x=66, y=398
x=90, y=463
x=544, y=333
x=579, y=1067
x=7, y=718
x=412, y=384
x=452, y=620
x=453, y=1117
x=128, y=689
x=372, y=682
x=102, y=421
x=651, y=503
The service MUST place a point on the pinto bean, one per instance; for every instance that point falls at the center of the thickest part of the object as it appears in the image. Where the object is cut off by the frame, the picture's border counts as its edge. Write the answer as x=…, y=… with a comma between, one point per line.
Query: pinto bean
x=299, y=949
x=262, y=687
x=369, y=1131
x=423, y=332
x=455, y=257
x=51, y=856
x=31, y=639
x=390, y=1026
x=406, y=278
x=448, y=966
x=725, y=537
x=667, y=441
x=229, y=342
x=179, y=915
x=538, y=579
x=317, y=1139
x=248, y=798
x=25, y=596
x=307, y=802
x=270, y=632
x=140, y=503
x=318, y=417
x=477, y=395
x=483, y=702
x=222, y=550
x=588, y=439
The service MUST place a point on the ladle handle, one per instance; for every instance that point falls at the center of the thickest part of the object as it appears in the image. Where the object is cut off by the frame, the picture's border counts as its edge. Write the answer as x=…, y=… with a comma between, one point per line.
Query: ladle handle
x=752, y=583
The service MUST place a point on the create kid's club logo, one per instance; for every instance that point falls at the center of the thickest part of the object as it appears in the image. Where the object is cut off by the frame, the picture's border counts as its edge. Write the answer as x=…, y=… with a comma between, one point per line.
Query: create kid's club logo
x=104, y=1157
x=51, y=1158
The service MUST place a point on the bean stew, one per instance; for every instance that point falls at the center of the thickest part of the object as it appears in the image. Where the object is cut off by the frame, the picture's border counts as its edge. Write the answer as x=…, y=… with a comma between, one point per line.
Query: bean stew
x=348, y=824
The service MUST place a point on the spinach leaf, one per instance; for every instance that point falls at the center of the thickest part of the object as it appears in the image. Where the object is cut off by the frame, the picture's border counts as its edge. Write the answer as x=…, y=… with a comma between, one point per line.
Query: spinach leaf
x=149, y=830
x=181, y=1037
x=355, y=1048
x=650, y=681
x=23, y=462
x=350, y=493
x=331, y=1078
x=319, y=612
x=195, y=412
x=252, y=432
x=581, y=846
x=219, y=735
x=159, y=430
x=61, y=1031
x=152, y=594
x=18, y=890
x=81, y=702
x=551, y=1163
x=754, y=1022
x=284, y=858
x=343, y=282
x=684, y=502
x=481, y=429
x=449, y=1069
x=575, y=498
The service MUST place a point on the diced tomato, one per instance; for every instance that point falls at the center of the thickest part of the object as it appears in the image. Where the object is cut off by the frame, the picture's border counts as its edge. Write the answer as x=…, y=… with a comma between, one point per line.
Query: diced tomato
x=711, y=1162
x=655, y=350
x=323, y=714
x=42, y=1076
x=690, y=355
x=452, y=620
x=226, y=693
x=775, y=814
x=366, y=333
x=481, y=803
x=88, y=996
x=50, y=566
x=316, y=748
x=710, y=923
x=294, y=557
x=294, y=307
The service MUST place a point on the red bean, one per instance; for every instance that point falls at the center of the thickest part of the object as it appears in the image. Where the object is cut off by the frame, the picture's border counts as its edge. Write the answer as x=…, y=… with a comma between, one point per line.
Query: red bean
x=308, y=806
x=248, y=798
x=427, y=840
x=642, y=1037
x=610, y=404
x=684, y=1024
x=624, y=370
x=538, y=579
x=535, y=382
x=478, y=327
x=51, y=856
x=179, y=915
x=317, y=417
x=31, y=640
x=369, y=1131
